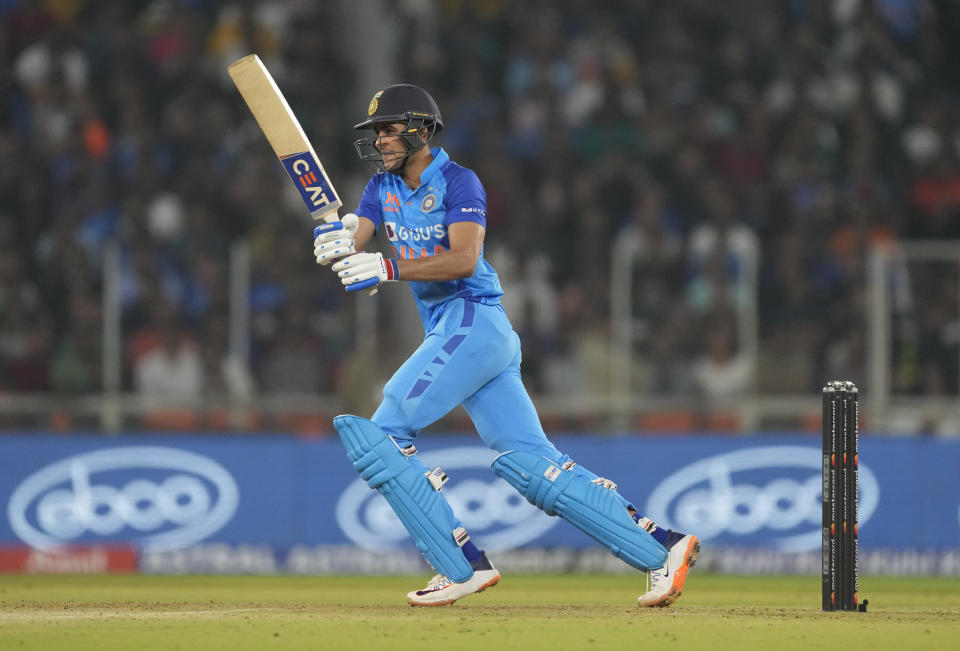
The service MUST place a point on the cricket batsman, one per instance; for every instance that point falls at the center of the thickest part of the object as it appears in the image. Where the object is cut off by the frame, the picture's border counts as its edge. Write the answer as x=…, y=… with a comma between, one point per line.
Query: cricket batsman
x=434, y=214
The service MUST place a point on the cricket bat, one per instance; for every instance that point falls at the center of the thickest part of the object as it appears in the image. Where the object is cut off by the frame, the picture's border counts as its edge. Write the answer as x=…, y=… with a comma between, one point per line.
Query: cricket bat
x=286, y=136
x=289, y=142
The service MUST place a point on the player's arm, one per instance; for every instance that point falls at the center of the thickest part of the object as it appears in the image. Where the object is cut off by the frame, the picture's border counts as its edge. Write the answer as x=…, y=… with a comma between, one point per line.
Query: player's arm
x=466, y=227
x=460, y=261
x=363, y=270
x=366, y=229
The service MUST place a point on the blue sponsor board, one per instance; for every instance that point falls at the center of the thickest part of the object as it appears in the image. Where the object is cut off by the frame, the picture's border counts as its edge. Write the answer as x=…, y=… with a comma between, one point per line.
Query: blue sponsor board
x=170, y=493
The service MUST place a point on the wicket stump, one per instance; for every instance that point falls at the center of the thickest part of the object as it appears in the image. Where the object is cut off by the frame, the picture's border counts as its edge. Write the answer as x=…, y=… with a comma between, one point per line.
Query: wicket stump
x=841, y=426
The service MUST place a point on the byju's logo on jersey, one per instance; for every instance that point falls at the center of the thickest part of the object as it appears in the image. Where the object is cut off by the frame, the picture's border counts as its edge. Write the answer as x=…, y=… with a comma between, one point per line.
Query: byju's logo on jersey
x=763, y=495
x=160, y=498
x=420, y=234
x=489, y=507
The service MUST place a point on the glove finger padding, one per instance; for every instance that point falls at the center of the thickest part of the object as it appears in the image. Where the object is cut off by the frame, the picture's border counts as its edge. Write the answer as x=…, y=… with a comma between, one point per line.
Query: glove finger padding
x=347, y=227
x=331, y=251
x=352, y=271
x=358, y=276
x=365, y=266
x=332, y=241
x=330, y=231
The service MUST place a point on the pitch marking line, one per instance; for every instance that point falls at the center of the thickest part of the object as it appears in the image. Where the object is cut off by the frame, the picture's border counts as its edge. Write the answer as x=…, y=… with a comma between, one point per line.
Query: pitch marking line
x=40, y=615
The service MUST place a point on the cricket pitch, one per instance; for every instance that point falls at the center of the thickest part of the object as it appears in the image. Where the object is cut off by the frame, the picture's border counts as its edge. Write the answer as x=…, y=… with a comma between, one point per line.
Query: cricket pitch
x=525, y=612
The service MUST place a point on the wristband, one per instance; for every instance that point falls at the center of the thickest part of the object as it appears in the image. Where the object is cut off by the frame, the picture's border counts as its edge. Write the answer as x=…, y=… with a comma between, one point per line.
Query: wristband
x=393, y=269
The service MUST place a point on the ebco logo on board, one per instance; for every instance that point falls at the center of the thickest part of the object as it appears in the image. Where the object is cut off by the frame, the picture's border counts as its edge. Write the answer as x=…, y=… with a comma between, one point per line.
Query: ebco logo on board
x=488, y=506
x=159, y=498
x=769, y=495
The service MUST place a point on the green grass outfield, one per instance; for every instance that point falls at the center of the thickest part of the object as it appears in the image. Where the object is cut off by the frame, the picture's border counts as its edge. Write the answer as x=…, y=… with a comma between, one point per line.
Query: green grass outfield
x=528, y=612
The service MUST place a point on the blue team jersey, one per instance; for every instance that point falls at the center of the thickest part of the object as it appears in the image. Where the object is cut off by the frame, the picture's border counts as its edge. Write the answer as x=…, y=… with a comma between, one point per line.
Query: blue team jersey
x=416, y=223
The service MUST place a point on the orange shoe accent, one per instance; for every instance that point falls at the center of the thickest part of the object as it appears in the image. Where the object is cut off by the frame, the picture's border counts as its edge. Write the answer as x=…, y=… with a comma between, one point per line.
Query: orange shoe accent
x=680, y=574
x=661, y=593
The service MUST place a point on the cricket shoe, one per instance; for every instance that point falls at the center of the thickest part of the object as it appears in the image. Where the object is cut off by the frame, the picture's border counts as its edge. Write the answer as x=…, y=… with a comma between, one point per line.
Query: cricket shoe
x=441, y=591
x=666, y=583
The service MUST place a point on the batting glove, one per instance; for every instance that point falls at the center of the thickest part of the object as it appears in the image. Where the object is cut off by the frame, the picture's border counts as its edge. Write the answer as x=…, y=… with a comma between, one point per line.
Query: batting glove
x=363, y=270
x=334, y=240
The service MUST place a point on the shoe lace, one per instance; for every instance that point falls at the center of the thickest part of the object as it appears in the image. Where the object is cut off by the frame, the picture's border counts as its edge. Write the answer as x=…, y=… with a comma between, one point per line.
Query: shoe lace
x=655, y=578
x=438, y=581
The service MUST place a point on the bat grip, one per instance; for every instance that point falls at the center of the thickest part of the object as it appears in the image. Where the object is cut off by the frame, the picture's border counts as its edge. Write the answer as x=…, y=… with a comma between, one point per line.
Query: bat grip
x=334, y=216
x=370, y=283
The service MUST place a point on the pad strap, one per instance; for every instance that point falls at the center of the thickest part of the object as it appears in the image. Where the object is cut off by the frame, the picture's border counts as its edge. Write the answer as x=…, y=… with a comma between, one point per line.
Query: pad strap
x=412, y=491
x=590, y=507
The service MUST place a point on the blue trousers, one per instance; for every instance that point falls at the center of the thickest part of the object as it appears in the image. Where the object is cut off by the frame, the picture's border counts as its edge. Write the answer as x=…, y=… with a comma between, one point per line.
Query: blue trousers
x=470, y=357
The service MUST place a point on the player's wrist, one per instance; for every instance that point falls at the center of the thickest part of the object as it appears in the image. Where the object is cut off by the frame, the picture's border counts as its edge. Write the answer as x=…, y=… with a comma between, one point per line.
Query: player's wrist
x=392, y=267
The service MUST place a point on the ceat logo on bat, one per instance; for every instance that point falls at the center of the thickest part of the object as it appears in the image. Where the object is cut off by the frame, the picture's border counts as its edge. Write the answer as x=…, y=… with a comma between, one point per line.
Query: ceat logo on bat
x=159, y=498
x=488, y=507
x=310, y=182
x=762, y=495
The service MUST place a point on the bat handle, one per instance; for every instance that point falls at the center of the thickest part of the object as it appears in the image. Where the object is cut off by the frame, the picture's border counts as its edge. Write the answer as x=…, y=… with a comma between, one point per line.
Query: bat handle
x=370, y=285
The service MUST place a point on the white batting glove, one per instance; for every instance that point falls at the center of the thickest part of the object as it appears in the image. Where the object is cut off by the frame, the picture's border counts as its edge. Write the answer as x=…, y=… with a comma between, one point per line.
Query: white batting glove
x=363, y=270
x=334, y=240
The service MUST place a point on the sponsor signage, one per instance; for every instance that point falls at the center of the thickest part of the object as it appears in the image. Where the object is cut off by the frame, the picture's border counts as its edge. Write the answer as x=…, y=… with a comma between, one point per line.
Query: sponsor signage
x=95, y=559
x=768, y=491
x=157, y=497
x=171, y=495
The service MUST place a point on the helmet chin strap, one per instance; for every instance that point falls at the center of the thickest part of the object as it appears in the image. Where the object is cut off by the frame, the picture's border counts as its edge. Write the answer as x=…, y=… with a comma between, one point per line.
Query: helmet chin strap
x=398, y=170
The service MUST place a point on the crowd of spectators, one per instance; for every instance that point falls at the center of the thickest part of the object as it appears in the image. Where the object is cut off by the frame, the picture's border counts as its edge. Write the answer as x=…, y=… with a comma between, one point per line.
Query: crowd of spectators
x=710, y=141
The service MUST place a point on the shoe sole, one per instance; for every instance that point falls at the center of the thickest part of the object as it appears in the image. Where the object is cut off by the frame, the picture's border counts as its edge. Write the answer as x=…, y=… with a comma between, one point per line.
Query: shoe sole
x=679, y=577
x=489, y=584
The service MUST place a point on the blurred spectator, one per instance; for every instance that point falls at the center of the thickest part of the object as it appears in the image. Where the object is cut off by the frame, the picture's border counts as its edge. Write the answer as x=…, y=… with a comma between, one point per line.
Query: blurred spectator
x=530, y=300
x=25, y=336
x=579, y=365
x=166, y=365
x=226, y=375
x=295, y=360
x=77, y=364
x=720, y=373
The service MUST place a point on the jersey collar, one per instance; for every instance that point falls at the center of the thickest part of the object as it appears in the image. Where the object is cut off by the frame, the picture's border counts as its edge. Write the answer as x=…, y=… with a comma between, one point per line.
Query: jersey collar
x=440, y=157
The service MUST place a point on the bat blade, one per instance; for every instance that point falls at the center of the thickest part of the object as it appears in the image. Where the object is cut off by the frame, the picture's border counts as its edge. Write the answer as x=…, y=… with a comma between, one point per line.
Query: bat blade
x=286, y=136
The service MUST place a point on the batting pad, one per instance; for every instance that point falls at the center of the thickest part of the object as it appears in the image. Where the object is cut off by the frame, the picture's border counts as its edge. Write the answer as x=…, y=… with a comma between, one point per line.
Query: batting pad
x=589, y=507
x=403, y=482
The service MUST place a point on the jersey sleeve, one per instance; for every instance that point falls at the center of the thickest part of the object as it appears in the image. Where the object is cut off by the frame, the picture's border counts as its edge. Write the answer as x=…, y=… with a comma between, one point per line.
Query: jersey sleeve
x=369, y=205
x=465, y=198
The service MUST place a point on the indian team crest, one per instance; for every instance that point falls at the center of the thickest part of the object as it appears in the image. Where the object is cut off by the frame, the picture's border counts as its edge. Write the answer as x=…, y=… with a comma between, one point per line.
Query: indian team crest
x=429, y=202
x=374, y=103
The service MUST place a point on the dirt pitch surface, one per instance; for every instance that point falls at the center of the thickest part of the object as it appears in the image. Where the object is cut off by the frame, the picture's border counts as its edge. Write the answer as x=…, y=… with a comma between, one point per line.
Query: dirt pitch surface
x=524, y=612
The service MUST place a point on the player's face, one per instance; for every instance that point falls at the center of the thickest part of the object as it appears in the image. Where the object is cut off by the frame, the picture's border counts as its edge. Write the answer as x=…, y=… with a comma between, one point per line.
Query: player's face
x=389, y=143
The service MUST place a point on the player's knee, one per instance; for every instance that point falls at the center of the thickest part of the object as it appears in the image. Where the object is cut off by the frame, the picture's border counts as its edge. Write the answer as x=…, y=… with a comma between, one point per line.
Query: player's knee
x=395, y=396
x=392, y=419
